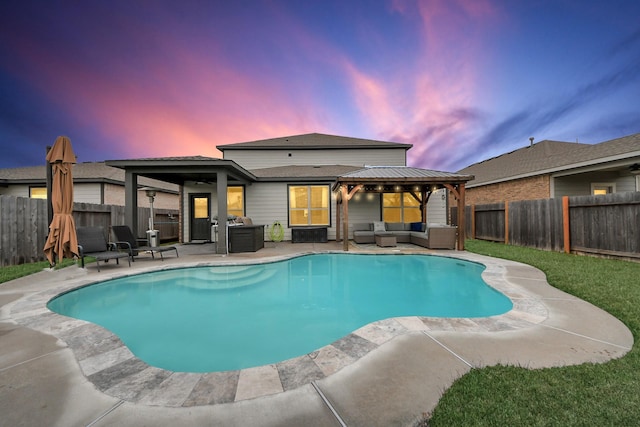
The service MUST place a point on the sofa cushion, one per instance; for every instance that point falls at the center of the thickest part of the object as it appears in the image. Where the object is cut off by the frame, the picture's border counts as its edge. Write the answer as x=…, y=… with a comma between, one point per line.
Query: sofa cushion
x=379, y=226
x=362, y=226
x=394, y=226
x=436, y=225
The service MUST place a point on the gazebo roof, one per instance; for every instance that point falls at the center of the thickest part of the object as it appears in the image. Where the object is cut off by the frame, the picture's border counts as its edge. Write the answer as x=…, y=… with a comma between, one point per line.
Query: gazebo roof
x=400, y=175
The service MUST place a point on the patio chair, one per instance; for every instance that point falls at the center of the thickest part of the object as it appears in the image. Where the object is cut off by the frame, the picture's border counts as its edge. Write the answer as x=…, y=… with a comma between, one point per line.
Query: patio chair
x=123, y=234
x=91, y=242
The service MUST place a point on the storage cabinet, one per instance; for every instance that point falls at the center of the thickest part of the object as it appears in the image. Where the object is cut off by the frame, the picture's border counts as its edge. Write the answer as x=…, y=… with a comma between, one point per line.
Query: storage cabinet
x=246, y=238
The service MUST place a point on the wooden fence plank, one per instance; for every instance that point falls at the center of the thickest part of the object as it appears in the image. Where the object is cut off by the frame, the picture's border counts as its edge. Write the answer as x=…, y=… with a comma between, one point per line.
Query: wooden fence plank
x=24, y=225
x=603, y=225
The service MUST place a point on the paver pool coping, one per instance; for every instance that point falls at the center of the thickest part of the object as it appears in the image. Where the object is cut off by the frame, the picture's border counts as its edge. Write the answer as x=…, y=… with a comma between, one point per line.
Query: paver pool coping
x=113, y=369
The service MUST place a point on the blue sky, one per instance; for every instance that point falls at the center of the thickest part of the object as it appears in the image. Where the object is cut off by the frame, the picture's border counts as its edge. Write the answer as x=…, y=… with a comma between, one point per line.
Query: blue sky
x=461, y=80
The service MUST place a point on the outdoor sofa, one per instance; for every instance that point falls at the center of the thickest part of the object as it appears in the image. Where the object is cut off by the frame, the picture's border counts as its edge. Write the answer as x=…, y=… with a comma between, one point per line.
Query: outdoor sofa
x=428, y=235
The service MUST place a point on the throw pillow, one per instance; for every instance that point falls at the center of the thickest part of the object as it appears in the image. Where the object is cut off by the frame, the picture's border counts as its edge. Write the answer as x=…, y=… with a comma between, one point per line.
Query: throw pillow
x=416, y=226
x=379, y=226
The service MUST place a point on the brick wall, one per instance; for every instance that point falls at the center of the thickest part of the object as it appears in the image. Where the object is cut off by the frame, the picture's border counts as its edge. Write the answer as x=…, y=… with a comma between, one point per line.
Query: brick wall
x=537, y=187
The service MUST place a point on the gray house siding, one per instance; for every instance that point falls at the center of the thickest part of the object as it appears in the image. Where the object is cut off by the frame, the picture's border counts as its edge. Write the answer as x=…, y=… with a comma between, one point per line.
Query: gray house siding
x=82, y=193
x=267, y=203
x=364, y=210
x=580, y=185
x=258, y=159
x=437, y=207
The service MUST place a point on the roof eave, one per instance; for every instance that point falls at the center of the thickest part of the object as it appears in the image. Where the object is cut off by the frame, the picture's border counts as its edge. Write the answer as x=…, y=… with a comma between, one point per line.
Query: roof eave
x=315, y=147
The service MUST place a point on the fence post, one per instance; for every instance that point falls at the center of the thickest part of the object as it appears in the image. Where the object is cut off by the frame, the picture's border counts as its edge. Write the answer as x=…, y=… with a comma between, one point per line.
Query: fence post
x=565, y=224
x=506, y=222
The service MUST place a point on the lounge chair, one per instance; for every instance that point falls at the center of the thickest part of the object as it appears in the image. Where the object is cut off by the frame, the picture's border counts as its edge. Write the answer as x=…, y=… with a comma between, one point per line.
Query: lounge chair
x=91, y=242
x=123, y=234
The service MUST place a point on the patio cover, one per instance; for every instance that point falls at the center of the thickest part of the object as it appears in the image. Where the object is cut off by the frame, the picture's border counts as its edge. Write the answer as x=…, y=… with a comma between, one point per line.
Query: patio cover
x=379, y=179
x=178, y=170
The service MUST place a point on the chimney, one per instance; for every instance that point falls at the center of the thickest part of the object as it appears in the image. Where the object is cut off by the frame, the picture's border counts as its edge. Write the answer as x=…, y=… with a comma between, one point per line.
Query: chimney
x=531, y=141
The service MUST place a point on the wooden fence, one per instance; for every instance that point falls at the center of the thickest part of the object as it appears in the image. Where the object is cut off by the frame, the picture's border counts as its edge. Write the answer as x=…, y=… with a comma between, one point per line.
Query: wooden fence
x=24, y=225
x=606, y=225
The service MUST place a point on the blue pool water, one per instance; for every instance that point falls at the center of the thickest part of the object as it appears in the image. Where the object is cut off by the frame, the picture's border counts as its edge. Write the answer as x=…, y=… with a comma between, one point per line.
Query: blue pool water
x=205, y=319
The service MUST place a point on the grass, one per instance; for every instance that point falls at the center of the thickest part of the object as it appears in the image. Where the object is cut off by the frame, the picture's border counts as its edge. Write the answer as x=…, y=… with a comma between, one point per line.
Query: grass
x=17, y=271
x=589, y=394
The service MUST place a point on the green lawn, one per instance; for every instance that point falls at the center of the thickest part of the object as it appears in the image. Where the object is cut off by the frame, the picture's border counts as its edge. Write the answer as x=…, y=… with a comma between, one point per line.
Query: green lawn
x=586, y=395
x=16, y=271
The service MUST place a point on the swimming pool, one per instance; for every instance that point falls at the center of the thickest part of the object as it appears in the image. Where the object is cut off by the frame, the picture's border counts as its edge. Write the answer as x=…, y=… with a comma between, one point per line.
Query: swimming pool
x=205, y=319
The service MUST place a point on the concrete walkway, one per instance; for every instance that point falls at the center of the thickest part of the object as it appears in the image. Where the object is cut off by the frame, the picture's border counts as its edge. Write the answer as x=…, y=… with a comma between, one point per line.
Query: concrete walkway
x=56, y=371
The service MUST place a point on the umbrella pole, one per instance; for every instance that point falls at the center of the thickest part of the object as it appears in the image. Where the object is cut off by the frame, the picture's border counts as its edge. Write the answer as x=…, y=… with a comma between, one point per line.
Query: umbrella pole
x=49, y=181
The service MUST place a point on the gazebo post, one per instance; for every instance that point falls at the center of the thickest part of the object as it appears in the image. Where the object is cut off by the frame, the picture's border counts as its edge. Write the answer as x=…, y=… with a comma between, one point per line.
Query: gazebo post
x=338, y=217
x=345, y=217
x=461, y=219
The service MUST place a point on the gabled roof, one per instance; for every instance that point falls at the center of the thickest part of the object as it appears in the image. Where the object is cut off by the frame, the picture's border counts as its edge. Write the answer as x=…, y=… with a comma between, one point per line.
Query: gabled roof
x=82, y=173
x=550, y=156
x=312, y=141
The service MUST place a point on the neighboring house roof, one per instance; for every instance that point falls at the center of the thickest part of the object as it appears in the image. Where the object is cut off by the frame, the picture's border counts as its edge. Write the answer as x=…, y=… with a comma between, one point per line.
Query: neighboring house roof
x=312, y=141
x=550, y=156
x=91, y=172
x=326, y=172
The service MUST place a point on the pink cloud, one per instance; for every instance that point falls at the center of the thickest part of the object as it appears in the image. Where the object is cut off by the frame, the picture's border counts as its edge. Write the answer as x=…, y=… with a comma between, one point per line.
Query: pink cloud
x=430, y=109
x=184, y=106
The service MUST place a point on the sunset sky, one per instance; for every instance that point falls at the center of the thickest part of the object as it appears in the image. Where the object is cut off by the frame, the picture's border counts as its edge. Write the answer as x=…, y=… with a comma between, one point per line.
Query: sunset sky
x=461, y=80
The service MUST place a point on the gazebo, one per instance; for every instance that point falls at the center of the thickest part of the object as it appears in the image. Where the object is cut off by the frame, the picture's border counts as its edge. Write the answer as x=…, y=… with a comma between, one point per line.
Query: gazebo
x=421, y=183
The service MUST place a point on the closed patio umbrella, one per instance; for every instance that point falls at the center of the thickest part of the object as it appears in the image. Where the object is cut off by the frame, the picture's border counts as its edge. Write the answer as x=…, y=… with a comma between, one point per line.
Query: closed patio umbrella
x=62, y=241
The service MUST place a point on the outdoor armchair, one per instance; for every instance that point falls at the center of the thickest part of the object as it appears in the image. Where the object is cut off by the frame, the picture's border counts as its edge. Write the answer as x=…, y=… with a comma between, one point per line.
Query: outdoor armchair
x=91, y=242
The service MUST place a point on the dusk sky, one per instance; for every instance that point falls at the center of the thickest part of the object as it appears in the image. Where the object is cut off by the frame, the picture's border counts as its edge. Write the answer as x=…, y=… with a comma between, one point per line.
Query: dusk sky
x=461, y=80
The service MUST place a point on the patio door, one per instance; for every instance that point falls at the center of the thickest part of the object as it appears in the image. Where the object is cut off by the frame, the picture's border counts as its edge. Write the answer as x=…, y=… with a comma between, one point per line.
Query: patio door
x=200, y=217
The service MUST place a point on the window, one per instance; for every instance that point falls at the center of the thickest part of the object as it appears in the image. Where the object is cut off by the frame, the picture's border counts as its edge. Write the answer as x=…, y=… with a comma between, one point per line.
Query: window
x=308, y=205
x=200, y=207
x=600, y=188
x=400, y=207
x=235, y=201
x=38, y=192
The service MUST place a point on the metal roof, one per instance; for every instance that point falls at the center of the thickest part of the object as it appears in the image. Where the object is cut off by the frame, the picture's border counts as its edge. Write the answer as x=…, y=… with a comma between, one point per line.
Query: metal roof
x=312, y=141
x=400, y=175
x=386, y=172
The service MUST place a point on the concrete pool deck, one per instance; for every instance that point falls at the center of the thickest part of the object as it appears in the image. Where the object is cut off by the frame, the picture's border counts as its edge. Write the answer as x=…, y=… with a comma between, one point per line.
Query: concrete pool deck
x=60, y=371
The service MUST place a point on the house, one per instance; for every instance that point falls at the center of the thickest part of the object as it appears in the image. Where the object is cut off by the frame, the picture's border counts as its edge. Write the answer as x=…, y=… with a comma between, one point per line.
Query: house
x=551, y=169
x=291, y=180
x=94, y=182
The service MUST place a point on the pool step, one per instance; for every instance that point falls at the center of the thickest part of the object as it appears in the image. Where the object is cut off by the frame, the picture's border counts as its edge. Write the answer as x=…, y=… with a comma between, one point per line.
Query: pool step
x=229, y=277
